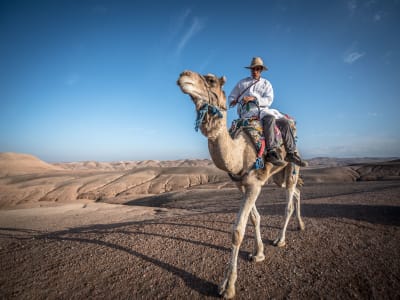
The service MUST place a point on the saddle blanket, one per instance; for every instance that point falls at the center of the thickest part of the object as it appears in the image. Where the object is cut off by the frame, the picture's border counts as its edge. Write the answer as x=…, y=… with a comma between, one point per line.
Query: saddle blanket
x=254, y=129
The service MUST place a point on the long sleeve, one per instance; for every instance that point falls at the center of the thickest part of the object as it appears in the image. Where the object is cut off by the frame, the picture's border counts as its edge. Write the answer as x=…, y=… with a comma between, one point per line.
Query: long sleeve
x=261, y=90
x=235, y=93
x=264, y=93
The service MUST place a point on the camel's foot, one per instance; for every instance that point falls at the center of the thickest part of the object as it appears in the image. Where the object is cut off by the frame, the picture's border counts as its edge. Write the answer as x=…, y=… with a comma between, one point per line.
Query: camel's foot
x=279, y=242
x=256, y=258
x=301, y=226
x=226, y=293
x=227, y=288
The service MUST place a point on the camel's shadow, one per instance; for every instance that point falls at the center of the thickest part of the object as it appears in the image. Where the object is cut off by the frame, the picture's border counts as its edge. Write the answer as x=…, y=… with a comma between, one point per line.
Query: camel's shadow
x=375, y=214
x=97, y=235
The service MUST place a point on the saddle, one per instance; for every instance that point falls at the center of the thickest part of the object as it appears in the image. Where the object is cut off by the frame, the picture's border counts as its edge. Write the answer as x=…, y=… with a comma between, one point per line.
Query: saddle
x=254, y=129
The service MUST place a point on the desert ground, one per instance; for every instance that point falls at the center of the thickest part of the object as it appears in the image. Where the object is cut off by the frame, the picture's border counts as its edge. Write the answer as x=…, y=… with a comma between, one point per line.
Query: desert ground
x=162, y=230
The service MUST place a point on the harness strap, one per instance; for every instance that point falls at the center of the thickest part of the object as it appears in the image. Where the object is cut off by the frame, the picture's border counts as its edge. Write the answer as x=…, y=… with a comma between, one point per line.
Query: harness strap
x=233, y=103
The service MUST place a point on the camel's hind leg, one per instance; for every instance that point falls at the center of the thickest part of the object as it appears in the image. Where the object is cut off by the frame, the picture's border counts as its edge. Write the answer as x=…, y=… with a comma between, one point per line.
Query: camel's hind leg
x=299, y=219
x=280, y=241
x=258, y=254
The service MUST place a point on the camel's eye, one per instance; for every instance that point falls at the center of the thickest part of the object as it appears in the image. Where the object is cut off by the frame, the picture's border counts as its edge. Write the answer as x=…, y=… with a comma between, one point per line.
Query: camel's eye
x=211, y=80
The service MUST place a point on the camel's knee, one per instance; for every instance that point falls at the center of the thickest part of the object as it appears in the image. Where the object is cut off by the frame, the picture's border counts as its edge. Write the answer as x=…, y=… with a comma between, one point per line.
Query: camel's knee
x=290, y=209
x=237, y=237
x=255, y=218
x=297, y=194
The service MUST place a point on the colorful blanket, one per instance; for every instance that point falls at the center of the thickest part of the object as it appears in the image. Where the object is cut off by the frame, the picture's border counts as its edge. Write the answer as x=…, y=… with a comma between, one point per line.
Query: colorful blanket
x=253, y=128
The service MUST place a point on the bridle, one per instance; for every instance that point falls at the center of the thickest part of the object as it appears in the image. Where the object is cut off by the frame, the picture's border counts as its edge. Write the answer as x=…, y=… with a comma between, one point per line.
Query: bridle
x=207, y=107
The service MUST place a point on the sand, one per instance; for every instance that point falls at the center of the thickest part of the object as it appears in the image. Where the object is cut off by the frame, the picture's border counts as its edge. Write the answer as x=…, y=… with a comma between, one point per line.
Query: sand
x=163, y=231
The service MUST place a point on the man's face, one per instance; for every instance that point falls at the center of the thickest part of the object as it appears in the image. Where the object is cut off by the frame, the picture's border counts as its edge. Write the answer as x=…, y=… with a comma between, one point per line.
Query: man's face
x=256, y=72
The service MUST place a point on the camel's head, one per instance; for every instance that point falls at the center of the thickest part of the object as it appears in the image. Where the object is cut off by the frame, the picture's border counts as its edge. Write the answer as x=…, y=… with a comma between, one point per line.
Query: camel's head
x=203, y=89
x=209, y=98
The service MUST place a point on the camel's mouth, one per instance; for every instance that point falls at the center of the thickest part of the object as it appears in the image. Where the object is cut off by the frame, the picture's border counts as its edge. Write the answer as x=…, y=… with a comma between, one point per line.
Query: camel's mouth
x=188, y=86
x=185, y=81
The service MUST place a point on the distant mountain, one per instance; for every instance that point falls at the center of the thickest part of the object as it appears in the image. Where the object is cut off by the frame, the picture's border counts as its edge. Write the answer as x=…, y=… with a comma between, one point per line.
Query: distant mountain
x=16, y=163
x=127, y=165
x=324, y=162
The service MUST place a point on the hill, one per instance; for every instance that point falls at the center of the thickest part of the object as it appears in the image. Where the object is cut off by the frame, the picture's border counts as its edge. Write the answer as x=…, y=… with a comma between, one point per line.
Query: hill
x=18, y=164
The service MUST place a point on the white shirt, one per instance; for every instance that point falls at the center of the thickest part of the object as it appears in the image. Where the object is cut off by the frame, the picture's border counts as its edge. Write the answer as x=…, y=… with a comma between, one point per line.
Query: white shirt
x=262, y=91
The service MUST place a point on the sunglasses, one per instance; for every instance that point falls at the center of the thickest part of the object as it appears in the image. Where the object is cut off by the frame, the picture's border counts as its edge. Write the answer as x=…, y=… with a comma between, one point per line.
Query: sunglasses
x=257, y=69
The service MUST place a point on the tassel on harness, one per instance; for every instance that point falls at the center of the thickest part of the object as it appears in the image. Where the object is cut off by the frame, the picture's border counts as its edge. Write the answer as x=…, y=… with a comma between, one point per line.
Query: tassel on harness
x=259, y=163
x=201, y=113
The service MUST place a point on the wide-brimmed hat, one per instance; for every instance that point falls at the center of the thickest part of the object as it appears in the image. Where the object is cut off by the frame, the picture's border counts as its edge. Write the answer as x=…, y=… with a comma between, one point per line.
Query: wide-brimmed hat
x=257, y=62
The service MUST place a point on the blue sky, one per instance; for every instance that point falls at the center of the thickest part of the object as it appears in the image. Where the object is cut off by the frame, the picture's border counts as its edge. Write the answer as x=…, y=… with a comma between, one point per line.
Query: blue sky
x=96, y=80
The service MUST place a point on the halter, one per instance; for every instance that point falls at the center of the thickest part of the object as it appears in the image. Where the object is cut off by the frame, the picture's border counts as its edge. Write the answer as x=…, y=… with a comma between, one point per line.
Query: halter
x=207, y=108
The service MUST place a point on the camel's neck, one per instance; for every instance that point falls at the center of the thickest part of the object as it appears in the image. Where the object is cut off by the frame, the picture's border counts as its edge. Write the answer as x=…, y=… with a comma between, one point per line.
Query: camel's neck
x=226, y=153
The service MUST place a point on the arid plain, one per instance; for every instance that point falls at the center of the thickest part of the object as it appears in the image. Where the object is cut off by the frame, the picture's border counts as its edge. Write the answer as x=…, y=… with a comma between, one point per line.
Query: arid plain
x=162, y=230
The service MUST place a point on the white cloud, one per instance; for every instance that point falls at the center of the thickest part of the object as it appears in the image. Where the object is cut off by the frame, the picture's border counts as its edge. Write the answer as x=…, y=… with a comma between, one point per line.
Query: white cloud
x=195, y=27
x=352, y=54
x=181, y=20
x=183, y=28
x=353, y=57
x=178, y=24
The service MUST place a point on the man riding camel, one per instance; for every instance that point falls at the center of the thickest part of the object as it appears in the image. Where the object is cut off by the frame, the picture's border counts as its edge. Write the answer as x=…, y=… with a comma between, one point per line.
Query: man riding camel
x=254, y=96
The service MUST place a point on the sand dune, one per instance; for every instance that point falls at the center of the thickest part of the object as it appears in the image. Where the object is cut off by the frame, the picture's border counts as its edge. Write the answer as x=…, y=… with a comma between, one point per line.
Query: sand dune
x=17, y=164
x=382, y=170
x=26, y=181
x=389, y=170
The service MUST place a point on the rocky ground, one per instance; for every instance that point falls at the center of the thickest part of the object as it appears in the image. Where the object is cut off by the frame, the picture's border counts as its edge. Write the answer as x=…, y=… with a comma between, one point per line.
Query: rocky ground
x=180, y=247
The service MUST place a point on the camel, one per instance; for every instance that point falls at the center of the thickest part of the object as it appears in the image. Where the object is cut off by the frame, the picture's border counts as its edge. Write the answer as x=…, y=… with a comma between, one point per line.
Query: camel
x=237, y=157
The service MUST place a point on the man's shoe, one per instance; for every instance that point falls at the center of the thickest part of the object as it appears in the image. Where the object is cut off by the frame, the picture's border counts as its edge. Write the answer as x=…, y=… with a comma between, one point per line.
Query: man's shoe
x=274, y=158
x=293, y=157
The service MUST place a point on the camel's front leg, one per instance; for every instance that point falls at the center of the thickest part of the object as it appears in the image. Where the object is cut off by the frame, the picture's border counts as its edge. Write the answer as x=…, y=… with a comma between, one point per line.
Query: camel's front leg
x=280, y=241
x=258, y=254
x=227, y=288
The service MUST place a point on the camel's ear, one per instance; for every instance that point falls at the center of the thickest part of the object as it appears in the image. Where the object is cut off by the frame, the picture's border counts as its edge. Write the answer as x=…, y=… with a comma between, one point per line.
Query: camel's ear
x=222, y=81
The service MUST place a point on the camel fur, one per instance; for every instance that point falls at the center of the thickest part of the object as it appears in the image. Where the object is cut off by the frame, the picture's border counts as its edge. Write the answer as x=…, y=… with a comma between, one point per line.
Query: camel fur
x=237, y=156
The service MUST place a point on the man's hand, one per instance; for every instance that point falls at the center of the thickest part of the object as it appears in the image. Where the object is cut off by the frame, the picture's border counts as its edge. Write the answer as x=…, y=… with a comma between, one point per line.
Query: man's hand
x=233, y=103
x=248, y=98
